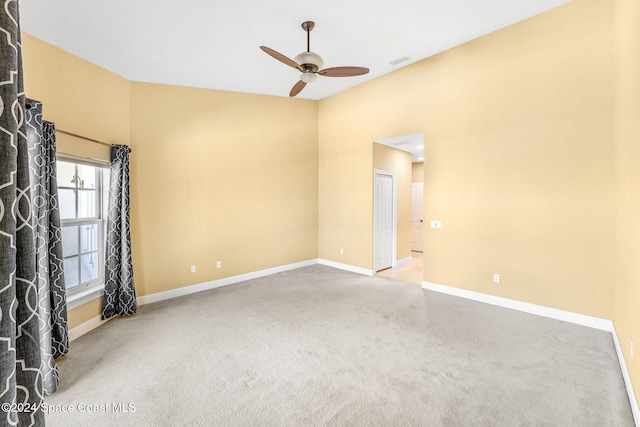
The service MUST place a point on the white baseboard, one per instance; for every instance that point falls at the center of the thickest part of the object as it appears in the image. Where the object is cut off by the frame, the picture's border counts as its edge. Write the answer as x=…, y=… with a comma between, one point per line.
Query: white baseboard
x=553, y=313
x=627, y=378
x=346, y=267
x=566, y=316
x=404, y=261
x=192, y=289
x=85, y=327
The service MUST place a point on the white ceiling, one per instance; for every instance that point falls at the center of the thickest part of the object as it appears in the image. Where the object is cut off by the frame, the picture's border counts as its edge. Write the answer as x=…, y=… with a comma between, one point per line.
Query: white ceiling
x=411, y=143
x=215, y=43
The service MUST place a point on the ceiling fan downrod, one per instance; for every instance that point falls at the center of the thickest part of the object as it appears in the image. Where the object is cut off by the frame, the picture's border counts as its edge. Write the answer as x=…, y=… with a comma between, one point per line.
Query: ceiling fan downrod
x=308, y=26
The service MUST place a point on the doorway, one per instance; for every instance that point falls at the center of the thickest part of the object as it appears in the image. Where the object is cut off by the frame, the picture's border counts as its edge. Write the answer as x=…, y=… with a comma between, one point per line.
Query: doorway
x=406, y=263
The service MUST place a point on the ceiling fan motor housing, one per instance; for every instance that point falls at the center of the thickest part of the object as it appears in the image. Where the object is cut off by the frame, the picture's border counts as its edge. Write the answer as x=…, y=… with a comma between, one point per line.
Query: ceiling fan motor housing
x=310, y=61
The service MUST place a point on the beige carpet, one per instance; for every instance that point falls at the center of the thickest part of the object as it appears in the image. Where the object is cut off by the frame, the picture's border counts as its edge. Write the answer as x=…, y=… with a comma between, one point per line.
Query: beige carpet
x=319, y=346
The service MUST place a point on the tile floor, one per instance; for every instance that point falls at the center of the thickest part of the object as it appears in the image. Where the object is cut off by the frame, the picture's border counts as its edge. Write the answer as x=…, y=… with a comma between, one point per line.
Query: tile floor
x=408, y=273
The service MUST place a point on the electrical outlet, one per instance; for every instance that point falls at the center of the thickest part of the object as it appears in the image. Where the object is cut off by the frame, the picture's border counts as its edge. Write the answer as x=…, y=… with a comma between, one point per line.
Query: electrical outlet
x=341, y=251
x=496, y=277
x=631, y=348
x=193, y=268
x=219, y=264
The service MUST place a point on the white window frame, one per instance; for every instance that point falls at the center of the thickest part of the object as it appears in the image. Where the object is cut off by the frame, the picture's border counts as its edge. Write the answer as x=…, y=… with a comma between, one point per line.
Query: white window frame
x=90, y=290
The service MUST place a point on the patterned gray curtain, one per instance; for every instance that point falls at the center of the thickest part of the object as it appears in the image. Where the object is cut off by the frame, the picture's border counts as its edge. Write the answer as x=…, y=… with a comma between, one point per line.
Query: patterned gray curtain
x=119, y=291
x=52, y=305
x=20, y=375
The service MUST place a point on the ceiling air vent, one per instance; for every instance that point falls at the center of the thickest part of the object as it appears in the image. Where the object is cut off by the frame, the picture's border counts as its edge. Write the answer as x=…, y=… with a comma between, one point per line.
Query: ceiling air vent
x=399, y=143
x=399, y=60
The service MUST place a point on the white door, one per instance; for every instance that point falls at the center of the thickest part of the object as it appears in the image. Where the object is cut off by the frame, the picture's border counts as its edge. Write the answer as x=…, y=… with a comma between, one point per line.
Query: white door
x=383, y=221
x=417, y=219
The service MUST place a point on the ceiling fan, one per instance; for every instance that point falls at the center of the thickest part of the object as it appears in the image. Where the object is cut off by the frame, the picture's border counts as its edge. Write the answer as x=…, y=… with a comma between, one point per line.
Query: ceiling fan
x=311, y=63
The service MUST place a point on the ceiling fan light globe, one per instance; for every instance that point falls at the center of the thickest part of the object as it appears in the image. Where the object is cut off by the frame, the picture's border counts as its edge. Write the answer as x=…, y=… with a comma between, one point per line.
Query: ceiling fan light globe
x=308, y=77
x=310, y=58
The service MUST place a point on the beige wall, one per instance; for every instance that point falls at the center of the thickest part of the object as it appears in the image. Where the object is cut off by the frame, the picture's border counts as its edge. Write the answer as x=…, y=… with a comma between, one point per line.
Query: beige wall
x=417, y=172
x=398, y=162
x=80, y=98
x=70, y=144
x=532, y=135
x=220, y=176
x=215, y=175
x=84, y=312
x=626, y=315
x=518, y=159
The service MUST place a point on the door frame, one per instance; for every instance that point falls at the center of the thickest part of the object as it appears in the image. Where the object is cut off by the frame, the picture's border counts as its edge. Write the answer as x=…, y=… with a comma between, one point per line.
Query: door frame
x=394, y=228
x=422, y=226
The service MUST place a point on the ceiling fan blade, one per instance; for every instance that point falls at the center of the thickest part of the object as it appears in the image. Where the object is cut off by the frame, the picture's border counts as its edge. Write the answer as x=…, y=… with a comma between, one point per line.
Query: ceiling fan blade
x=297, y=88
x=280, y=57
x=343, y=71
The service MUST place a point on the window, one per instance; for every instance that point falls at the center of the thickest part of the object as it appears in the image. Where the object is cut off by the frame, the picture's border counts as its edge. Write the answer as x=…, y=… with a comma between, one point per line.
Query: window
x=82, y=195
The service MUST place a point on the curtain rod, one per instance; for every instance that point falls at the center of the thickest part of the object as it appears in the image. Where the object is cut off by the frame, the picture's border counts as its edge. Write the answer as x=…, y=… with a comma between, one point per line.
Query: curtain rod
x=28, y=106
x=88, y=139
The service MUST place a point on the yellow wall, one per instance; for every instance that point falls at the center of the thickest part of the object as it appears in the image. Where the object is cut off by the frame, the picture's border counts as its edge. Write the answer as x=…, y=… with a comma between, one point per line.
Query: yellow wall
x=80, y=98
x=518, y=159
x=417, y=172
x=84, y=312
x=70, y=144
x=626, y=315
x=214, y=175
x=398, y=162
x=532, y=136
x=220, y=176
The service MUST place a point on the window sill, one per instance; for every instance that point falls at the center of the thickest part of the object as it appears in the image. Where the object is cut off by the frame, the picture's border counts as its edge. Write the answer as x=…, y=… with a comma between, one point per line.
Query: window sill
x=84, y=297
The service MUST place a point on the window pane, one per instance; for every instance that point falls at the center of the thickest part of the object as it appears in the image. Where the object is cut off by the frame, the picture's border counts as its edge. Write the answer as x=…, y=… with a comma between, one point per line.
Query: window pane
x=71, y=272
x=90, y=268
x=82, y=189
x=87, y=176
x=66, y=172
x=70, y=240
x=86, y=204
x=89, y=237
x=67, y=203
